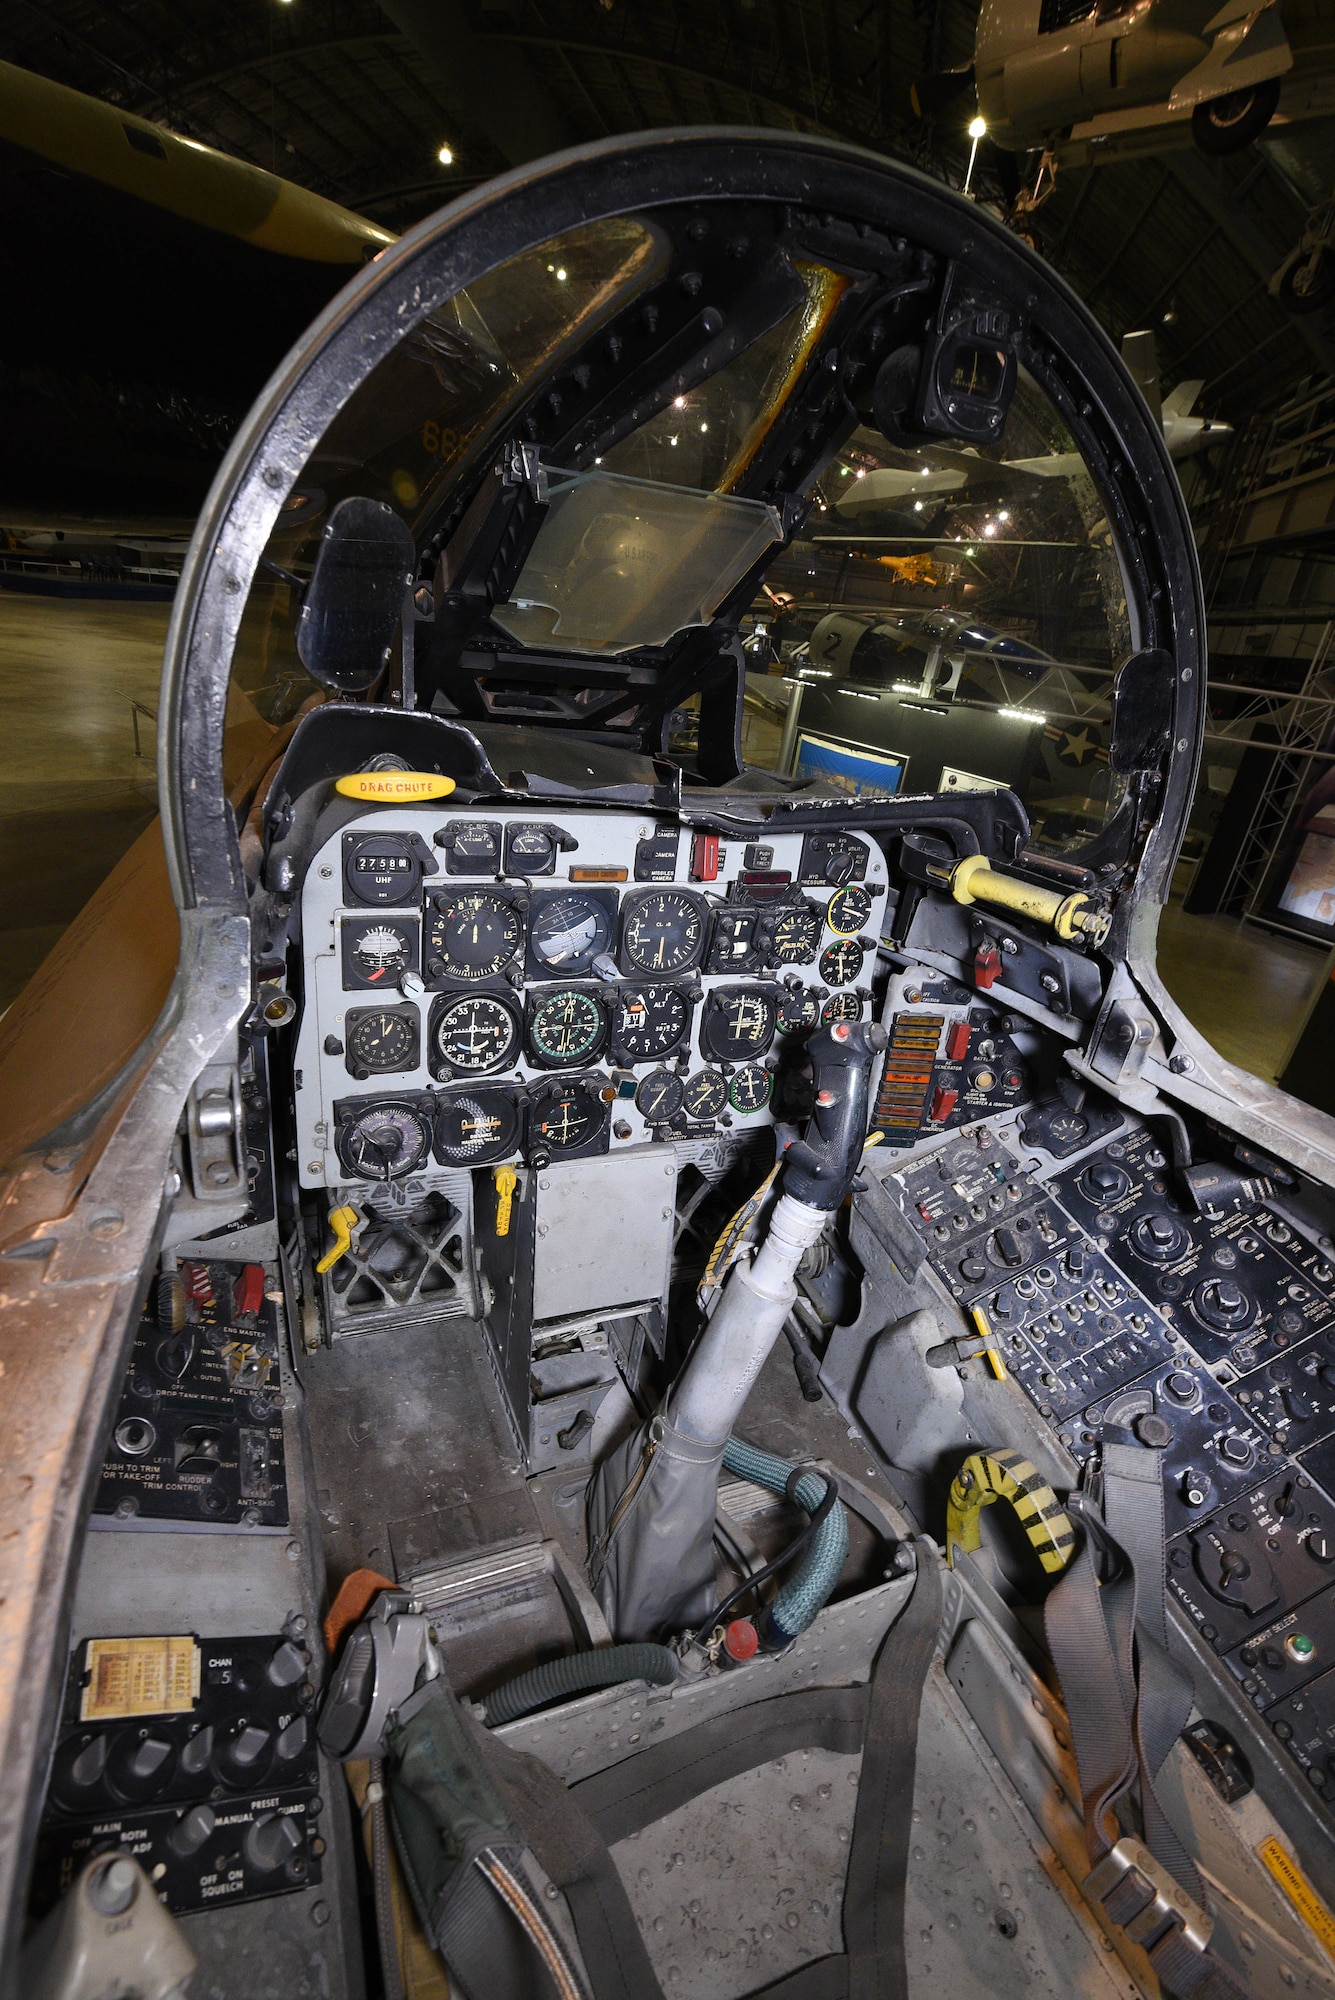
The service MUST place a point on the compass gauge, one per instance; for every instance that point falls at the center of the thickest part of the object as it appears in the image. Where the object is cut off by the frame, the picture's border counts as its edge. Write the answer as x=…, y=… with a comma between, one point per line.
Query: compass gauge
x=565, y=1028
x=471, y=934
x=474, y=1034
x=384, y=1142
x=841, y=963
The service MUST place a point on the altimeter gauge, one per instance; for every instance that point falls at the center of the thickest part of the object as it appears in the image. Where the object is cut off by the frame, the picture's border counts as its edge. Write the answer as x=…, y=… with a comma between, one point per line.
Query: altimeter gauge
x=472, y=1034
x=565, y=1028
x=471, y=934
x=842, y=1007
x=649, y=1022
x=383, y=1141
x=662, y=931
x=381, y=1040
x=738, y=1023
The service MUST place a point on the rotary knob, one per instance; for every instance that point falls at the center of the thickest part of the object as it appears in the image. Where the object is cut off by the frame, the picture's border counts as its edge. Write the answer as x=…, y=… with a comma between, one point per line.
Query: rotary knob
x=1223, y=1304
x=1159, y=1237
x=1104, y=1182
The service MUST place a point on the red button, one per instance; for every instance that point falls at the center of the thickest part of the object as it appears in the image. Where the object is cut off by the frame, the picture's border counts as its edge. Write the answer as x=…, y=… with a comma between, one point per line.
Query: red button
x=986, y=966
x=741, y=1641
x=957, y=1041
x=943, y=1103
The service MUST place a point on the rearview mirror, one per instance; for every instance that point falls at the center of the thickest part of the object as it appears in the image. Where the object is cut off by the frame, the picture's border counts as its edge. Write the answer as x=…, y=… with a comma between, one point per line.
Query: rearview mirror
x=354, y=600
x=1142, y=712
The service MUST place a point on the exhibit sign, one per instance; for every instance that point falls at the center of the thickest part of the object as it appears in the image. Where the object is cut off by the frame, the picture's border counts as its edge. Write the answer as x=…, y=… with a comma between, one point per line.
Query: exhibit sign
x=851, y=767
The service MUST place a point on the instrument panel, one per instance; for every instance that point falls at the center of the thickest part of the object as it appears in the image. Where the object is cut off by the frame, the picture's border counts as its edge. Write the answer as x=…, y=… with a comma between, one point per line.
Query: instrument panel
x=480, y=990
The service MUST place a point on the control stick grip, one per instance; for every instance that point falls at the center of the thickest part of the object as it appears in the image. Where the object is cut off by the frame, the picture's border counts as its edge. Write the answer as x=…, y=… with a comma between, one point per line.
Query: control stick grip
x=819, y=1168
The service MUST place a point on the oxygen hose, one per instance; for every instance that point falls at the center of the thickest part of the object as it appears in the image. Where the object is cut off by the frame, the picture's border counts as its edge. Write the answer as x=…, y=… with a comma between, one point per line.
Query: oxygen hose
x=577, y=1673
x=796, y=1605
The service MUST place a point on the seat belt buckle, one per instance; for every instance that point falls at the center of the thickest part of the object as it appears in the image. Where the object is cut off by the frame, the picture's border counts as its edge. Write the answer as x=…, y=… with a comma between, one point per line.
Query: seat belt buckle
x=1138, y=1894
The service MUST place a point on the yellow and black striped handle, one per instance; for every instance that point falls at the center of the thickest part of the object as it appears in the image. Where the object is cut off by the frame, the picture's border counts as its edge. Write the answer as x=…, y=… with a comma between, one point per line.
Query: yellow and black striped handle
x=991, y=1475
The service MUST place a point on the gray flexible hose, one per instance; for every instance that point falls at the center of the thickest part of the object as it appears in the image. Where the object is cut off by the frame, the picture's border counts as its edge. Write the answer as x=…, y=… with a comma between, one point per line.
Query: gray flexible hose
x=577, y=1673
x=384, y=1891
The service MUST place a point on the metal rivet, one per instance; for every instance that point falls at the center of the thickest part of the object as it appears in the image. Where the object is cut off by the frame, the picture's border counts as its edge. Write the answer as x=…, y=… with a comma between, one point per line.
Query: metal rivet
x=106, y=1226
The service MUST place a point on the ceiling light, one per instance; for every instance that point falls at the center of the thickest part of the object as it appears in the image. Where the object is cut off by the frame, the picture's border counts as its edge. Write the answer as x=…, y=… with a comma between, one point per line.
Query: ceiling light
x=861, y=473
x=978, y=128
x=704, y=427
x=446, y=156
x=989, y=529
x=917, y=506
x=672, y=440
x=679, y=402
x=1003, y=515
x=561, y=274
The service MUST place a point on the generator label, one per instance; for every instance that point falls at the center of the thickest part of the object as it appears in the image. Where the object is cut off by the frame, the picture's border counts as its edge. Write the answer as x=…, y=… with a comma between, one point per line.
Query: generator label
x=1299, y=1891
x=139, y=1677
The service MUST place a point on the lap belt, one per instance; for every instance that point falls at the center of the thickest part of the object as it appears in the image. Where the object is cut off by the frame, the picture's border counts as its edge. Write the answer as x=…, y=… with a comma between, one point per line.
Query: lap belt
x=1127, y=1702
x=476, y=1823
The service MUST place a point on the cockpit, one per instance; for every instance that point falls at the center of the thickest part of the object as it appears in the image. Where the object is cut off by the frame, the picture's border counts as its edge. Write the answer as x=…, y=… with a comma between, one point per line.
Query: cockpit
x=670, y=1370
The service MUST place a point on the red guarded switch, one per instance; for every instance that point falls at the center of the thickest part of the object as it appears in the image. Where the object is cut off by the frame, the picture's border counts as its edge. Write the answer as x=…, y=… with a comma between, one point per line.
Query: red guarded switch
x=704, y=857
x=957, y=1042
x=249, y=1291
x=986, y=966
x=944, y=1101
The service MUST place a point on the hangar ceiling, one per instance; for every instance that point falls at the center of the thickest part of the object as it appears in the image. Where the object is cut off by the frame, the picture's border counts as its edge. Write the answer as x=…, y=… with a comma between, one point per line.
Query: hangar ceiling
x=353, y=98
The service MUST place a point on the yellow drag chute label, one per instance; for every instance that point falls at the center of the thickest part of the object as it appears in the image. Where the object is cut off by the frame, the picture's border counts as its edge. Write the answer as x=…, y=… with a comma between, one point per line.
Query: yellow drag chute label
x=986, y=1476
x=394, y=788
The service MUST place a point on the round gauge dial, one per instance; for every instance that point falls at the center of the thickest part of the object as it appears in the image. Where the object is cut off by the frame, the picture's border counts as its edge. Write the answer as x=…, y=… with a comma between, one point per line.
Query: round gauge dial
x=569, y=1117
x=849, y=911
x=568, y=932
x=529, y=850
x=650, y=1023
x=794, y=935
x=381, y=1039
x=475, y=1034
x=842, y=1007
x=385, y=1142
x=663, y=932
x=738, y=1023
x=566, y=1027
x=706, y=1094
x=749, y=1088
x=472, y=935
x=380, y=952
x=474, y=848
x=472, y=1130
x=798, y=1010
x=659, y=1097
x=841, y=963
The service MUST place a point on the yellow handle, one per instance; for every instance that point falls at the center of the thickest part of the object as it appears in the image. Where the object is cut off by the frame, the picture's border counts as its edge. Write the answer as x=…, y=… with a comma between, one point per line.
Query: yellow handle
x=972, y=881
x=506, y=1181
x=990, y=1348
x=342, y=1221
